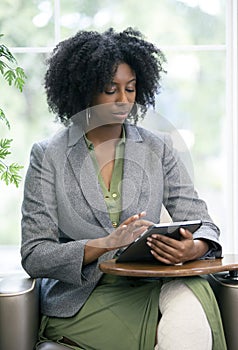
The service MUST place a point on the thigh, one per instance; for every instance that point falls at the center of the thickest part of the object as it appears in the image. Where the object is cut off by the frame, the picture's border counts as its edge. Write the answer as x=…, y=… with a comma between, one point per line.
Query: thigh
x=121, y=315
x=183, y=320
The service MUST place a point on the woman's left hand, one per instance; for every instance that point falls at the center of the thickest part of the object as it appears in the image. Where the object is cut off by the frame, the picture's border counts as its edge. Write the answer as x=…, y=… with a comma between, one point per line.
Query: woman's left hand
x=171, y=251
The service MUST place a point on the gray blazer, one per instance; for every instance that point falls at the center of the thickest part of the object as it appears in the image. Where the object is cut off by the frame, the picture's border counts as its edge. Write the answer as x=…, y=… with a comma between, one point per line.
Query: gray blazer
x=63, y=207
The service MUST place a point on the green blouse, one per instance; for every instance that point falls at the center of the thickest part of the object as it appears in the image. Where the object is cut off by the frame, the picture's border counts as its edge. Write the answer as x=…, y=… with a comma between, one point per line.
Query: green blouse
x=112, y=196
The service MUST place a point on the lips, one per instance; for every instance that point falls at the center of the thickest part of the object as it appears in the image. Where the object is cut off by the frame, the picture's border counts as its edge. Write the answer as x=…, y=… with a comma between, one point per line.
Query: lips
x=124, y=112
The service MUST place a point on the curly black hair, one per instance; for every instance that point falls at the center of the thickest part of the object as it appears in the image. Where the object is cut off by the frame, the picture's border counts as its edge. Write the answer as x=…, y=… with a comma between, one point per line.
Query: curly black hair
x=82, y=65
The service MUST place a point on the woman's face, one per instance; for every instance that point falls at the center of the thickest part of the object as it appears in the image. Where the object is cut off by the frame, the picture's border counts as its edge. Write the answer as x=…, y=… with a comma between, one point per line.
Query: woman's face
x=114, y=104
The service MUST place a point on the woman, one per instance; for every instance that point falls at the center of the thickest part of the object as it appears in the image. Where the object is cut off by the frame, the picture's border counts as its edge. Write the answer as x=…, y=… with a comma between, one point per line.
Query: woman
x=96, y=186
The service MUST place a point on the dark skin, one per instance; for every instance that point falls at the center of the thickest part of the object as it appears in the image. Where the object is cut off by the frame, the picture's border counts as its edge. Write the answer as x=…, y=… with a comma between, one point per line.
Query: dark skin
x=171, y=251
x=105, y=131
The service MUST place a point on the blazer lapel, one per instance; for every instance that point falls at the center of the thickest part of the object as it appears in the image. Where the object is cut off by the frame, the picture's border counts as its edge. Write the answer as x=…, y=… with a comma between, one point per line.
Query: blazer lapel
x=84, y=171
x=134, y=161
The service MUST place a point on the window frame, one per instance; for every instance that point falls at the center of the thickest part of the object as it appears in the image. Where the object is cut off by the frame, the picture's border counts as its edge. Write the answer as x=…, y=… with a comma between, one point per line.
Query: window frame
x=232, y=122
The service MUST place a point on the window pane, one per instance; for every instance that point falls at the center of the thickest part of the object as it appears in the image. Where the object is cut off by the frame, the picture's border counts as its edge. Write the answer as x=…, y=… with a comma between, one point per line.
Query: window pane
x=27, y=23
x=192, y=99
x=169, y=22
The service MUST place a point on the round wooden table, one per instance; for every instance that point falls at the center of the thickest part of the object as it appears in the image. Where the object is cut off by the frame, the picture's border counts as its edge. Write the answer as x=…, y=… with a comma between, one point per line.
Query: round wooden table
x=144, y=269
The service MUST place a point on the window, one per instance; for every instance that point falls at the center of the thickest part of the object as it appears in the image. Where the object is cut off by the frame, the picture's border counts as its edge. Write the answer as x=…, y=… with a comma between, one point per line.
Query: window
x=198, y=96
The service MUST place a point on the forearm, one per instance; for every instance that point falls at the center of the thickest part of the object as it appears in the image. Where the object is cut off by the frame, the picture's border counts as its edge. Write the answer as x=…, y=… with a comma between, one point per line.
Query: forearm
x=94, y=248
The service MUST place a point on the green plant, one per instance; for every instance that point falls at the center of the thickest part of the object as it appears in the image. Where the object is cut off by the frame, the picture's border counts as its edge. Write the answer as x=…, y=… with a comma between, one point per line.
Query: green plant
x=14, y=76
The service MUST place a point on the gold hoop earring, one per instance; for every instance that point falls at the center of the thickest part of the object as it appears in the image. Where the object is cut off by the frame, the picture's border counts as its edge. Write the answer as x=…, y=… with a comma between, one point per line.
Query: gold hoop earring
x=134, y=112
x=88, y=116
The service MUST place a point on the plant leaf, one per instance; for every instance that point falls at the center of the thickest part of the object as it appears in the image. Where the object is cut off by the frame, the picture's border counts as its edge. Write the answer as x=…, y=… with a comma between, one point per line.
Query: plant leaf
x=6, y=177
x=5, y=143
x=14, y=168
x=20, y=78
x=10, y=76
x=2, y=167
x=2, y=67
x=20, y=73
x=15, y=179
x=5, y=52
x=4, y=148
x=19, y=82
x=4, y=153
x=10, y=174
x=4, y=118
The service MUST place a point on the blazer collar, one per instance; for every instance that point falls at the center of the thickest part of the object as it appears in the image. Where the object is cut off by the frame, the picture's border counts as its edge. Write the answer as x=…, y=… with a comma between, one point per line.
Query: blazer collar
x=76, y=132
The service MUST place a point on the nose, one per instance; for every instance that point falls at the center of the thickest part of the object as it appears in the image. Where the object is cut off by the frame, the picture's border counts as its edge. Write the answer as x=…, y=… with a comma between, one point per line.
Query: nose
x=122, y=97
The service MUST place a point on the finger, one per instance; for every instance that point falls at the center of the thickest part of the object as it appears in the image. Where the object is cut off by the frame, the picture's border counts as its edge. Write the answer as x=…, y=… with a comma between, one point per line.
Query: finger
x=142, y=222
x=134, y=218
x=162, y=258
x=138, y=227
x=161, y=248
x=167, y=258
x=156, y=238
x=138, y=231
x=186, y=233
x=131, y=219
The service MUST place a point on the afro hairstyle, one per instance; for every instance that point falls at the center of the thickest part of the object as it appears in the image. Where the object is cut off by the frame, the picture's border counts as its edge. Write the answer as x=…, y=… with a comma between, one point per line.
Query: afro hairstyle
x=81, y=66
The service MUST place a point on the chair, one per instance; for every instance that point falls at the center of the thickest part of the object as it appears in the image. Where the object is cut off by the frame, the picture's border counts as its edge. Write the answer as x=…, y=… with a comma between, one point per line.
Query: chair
x=19, y=311
x=225, y=287
x=19, y=314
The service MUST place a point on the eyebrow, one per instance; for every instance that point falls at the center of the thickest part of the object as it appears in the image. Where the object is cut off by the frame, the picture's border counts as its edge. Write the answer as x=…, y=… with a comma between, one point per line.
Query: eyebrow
x=130, y=81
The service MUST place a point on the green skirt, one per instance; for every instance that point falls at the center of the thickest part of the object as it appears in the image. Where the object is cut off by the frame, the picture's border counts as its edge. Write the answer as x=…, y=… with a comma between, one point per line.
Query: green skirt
x=122, y=313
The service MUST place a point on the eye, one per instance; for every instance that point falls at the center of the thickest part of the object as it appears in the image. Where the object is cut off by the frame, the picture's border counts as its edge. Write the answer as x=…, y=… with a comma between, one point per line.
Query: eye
x=130, y=89
x=110, y=89
x=109, y=92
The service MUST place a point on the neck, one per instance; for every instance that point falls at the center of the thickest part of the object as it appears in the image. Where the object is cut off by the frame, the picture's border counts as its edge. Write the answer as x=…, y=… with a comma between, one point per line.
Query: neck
x=104, y=133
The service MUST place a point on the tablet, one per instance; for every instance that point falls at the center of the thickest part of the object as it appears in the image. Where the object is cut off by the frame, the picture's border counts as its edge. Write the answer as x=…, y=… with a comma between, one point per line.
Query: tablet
x=140, y=251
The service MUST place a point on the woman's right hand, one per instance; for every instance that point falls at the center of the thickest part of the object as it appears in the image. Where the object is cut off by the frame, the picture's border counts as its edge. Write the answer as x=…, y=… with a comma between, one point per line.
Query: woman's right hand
x=127, y=232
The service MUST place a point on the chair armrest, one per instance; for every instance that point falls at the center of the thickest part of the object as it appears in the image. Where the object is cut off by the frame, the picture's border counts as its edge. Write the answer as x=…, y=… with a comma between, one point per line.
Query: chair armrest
x=19, y=312
x=225, y=287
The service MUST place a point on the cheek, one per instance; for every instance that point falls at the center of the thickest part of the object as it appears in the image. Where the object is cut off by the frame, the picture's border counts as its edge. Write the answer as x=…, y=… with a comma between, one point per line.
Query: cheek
x=132, y=98
x=102, y=99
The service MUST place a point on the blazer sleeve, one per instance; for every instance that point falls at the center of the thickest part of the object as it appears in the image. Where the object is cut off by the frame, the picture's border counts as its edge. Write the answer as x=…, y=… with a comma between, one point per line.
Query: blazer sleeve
x=182, y=200
x=42, y=253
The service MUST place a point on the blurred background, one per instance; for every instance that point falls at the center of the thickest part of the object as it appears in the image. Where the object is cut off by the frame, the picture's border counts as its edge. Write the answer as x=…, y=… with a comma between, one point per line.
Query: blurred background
x=198, y=95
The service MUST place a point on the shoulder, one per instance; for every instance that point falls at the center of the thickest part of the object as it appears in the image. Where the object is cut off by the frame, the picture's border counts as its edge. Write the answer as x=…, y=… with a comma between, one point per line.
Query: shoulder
x=51, y=147
x=60, y=138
